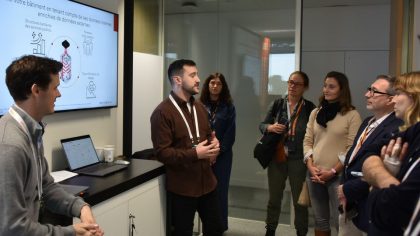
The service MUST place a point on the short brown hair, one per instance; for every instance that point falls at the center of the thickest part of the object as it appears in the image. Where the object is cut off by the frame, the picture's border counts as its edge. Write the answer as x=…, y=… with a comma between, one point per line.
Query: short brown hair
x=27, y=70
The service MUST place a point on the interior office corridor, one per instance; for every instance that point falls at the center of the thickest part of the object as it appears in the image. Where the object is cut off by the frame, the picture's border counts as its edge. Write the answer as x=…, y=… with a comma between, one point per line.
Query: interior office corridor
x=256, y=45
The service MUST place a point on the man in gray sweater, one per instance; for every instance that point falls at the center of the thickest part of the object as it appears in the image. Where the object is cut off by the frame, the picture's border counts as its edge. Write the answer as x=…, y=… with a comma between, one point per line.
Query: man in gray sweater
x=26, y=187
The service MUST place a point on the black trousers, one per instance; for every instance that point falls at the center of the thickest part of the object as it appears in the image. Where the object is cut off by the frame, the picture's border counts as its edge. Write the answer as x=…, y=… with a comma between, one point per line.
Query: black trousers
x=183, y=210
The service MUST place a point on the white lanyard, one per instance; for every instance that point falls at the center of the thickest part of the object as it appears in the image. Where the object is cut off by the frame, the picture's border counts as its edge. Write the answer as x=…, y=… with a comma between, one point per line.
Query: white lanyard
x=296, y=108
x=185, y=120
x=22, y=124
x=411, y=169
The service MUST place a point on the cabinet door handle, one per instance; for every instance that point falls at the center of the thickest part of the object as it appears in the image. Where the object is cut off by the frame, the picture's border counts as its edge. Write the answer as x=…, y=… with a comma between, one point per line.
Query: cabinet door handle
x=132, y=225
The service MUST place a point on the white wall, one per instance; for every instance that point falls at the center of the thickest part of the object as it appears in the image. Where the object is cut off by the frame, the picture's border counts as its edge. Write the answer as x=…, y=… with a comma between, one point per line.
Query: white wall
x=147, y=94
x=104, y=125
x=353, y=40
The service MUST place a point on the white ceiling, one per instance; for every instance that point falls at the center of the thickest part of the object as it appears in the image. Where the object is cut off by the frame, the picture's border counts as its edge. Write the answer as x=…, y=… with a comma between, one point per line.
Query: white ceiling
x=265, y=17
x=271, y=18
x=200, y=6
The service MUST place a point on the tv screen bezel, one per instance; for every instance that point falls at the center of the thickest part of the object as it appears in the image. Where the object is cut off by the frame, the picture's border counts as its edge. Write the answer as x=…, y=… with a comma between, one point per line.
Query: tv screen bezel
x=117, y=66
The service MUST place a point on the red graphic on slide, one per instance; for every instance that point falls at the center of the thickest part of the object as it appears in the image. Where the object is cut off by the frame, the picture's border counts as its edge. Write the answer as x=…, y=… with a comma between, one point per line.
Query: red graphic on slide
x=65, y=74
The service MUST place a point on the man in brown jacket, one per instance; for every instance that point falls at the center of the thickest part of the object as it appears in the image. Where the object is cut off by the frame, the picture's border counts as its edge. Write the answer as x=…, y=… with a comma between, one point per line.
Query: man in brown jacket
x=184, y=142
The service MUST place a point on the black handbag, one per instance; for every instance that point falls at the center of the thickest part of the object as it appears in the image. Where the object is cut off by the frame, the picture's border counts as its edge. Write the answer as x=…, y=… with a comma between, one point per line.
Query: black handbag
x=266, y=148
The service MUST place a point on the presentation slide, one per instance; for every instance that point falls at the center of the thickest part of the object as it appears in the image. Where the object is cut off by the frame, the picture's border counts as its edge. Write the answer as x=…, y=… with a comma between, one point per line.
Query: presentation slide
x=83, y=38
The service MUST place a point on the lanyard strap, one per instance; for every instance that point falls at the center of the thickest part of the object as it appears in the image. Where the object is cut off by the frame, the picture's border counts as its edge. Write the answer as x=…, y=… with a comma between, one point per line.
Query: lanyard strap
x=24, y=128
x=294, y=116
x=212, y=114
x=411, y=169
x=369, y=128
x=363, y=136
x=185, y=120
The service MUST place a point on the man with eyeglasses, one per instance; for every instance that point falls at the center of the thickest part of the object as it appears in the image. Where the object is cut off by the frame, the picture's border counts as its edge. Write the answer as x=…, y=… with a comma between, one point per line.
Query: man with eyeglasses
x=353, y=192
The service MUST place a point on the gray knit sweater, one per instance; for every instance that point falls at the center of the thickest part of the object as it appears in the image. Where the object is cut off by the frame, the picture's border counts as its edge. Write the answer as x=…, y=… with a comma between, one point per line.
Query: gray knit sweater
x=19, y=203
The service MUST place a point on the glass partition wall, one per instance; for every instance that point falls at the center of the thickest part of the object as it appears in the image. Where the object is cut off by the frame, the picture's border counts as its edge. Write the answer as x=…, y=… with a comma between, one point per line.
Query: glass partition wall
x=253, y=43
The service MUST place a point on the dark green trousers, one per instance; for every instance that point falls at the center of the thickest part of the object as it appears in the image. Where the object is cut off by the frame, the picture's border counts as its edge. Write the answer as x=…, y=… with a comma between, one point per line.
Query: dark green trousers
x=277, y=174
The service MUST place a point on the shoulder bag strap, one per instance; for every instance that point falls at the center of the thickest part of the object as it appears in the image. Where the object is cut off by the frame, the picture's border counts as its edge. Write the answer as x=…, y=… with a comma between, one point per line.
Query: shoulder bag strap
x=280, y=103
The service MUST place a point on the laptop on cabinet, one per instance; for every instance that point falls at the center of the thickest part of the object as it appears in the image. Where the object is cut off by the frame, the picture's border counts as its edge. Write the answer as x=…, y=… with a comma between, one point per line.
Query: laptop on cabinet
x=82, y=157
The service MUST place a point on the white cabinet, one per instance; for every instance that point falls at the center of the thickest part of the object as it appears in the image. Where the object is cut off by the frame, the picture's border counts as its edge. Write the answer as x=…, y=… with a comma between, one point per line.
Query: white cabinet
x=112, y=219
x=146, y=202
x=148, y=211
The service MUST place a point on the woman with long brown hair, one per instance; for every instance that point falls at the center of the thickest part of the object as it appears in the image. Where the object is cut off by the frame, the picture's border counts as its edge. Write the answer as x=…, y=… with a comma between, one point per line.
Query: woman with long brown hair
x=216, y=97
x=330, y=130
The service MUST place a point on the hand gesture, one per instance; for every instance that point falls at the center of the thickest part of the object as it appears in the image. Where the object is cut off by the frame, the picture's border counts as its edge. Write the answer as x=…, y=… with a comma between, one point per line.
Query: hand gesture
x=394, y=149
x=208, y=149
x=88, y=225
x=393, y=154
x=86, y=229
x=314, y=171
x=325, y=175
x=276, y=128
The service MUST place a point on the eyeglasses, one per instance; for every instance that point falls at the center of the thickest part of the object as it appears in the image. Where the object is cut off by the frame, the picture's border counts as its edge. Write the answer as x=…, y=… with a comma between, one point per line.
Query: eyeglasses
x=215, y=83
x=372, y=92
x=291, y=82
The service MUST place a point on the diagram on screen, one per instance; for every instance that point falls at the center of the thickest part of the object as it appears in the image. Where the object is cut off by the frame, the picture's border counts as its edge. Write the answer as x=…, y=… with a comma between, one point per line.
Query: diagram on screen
x=65, y=73
x=91, y=90
x=88, y=45
x=67, y=51
x=38, y=43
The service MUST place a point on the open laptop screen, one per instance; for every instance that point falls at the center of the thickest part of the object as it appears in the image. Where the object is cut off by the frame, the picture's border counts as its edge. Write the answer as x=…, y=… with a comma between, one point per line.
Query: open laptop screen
x=79, y=151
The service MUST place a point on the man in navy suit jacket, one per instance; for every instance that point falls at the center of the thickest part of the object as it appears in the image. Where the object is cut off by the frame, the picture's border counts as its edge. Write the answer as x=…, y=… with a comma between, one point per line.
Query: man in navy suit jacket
x=383, y=124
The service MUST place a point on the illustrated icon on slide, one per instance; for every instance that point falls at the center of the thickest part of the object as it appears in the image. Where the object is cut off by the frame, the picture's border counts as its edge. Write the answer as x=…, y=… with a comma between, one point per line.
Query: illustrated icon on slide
x=65, y=74
x=88, y=45
x=90, y=90
x=67, y=51
x=39, y=44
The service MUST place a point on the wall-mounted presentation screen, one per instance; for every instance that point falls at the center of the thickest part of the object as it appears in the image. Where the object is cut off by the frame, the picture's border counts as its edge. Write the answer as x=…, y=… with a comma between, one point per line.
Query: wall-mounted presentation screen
x=83, y=38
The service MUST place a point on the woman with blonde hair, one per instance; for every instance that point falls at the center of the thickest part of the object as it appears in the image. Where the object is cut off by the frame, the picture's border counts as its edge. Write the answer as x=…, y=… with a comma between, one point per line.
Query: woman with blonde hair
x=392, y=166
x=407, y=99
